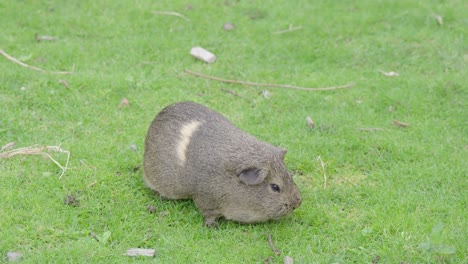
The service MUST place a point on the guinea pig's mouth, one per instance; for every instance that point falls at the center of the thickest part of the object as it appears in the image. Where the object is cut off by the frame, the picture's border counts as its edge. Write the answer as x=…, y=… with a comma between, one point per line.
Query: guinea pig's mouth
x=285, y=210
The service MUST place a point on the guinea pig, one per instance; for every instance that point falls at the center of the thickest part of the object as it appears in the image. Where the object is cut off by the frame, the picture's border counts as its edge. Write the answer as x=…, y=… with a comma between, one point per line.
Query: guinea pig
x=193, y=152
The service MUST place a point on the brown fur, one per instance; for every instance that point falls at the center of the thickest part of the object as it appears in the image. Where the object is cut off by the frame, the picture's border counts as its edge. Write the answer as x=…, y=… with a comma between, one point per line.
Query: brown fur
x=226, y=171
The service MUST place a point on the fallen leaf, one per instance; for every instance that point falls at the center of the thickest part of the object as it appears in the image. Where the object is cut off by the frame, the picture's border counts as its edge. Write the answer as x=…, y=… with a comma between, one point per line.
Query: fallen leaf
x=310, y=122
x=288, y=260
x=390, y=73
x=228, y=26
x=439, y=19
x=14, y=256
x=400, y=124
x=124, y=102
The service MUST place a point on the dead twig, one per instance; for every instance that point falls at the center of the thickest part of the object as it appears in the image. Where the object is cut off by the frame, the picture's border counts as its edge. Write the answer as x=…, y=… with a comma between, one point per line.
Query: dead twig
x=233, y=93
x=64, y=83
x=325, y=178
x=39, y=38
x=272, y=246
x=286, y=86
x=13, y=59
x=170, y=13
x=40, y=151
x=400, y=124
x=370, y=129
x=290, y=29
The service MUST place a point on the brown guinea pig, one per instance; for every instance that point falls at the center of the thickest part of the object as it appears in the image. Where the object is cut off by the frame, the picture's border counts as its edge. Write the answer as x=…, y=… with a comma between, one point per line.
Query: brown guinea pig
x=192, y=152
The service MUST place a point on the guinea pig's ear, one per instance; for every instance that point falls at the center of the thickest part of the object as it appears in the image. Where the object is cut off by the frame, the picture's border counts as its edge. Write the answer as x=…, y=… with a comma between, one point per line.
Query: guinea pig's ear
x=252, y=176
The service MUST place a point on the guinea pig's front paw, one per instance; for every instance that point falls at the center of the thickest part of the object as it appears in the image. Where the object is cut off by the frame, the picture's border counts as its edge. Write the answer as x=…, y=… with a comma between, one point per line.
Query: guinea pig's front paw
x=212, y=224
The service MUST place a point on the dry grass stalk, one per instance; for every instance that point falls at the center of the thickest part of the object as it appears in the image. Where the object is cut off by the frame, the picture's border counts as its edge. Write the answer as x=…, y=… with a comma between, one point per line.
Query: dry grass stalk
x=272, y=246
x=170, y=13
x=390, y=73
x=325, y=178
x=285, y=86
x=13, y=59
x=34, y=150
x=95, y=172
x=310, y=122
x=8, y=146
x=290, y=29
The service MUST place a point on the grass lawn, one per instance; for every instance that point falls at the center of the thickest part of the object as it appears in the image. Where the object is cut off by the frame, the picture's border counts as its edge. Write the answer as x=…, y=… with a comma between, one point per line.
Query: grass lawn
x=393, y=193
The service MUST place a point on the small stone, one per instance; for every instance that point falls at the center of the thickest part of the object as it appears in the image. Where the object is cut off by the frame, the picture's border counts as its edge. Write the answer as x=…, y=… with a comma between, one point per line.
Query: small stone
x=14, y=256
x=133, y=147
x=145, y=252
x=202, y=54
x=228, y=26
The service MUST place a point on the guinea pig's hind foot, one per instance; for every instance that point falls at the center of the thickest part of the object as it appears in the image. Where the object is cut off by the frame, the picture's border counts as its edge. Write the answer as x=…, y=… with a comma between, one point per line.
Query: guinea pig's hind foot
x=211, y=218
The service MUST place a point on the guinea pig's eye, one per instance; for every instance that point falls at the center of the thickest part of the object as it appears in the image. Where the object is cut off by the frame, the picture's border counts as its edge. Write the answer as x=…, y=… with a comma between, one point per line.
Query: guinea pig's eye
x=275, y=187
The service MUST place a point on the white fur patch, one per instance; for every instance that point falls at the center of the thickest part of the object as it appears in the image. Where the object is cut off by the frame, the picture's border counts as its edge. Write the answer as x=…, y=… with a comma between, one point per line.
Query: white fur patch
x=186, y=133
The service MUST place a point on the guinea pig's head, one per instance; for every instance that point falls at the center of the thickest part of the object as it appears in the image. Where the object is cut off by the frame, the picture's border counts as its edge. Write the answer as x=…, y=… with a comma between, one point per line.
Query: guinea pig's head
x=265, y=189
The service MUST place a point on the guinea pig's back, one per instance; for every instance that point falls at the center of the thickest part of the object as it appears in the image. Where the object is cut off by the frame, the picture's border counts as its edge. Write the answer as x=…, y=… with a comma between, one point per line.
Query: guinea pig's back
x=186, y=145
x=167, y=140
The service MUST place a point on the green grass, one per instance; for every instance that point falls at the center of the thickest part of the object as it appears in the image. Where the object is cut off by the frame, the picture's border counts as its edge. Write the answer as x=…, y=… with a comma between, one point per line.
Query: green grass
x=386, y=190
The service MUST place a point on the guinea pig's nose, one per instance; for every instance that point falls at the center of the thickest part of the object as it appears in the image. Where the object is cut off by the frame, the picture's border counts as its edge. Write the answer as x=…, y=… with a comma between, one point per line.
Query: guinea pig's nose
x=297, y=202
